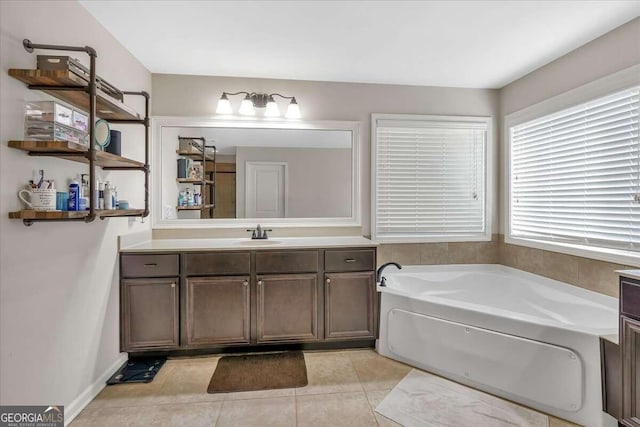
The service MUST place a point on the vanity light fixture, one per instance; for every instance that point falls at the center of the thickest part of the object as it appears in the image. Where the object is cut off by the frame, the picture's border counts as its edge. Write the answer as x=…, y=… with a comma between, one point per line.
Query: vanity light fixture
x=253, y=101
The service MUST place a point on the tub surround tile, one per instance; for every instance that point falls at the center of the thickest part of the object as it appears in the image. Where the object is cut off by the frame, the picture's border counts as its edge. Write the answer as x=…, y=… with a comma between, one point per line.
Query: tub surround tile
x=434, y=253
x=560, y=267
x=335, y=410
x=488, y=252
x=384, y=254
x=462, y=253
x=522, y=258
x=276, y=412
x=598, y=276
x=406, y=254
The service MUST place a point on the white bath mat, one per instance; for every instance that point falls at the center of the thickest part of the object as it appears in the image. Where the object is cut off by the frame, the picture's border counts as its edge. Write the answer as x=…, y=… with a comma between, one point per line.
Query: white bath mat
x=425, y=400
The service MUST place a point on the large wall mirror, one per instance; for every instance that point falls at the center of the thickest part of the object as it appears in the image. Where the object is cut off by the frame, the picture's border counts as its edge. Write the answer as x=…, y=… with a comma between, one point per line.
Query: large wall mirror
x=280, y=173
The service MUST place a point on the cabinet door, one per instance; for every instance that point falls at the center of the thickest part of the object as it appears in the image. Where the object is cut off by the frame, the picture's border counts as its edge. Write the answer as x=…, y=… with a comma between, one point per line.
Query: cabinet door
x=217, y=310
x=287, y=307
x=630, y=371
x=149, y=314
x=350, y=303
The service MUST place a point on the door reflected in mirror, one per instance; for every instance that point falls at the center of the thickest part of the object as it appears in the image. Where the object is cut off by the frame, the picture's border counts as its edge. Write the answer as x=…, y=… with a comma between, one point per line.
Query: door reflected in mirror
x=256, y=173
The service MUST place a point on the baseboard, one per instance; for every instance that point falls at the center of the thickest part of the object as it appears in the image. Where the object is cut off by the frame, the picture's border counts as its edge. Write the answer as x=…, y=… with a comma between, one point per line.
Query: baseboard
x=79, y=403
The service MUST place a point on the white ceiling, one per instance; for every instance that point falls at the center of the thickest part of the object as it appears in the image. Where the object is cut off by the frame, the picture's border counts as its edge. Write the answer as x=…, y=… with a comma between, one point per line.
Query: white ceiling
x=480, y=44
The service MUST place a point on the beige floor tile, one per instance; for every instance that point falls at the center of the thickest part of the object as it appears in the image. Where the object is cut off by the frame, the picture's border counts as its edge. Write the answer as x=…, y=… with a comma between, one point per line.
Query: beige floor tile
x=376, y=372
x=277, y=412
x=334, y=410
x=557, y=422
x=375, y=397
x=179, y=381
x=329, y=373
x=192, y=415
x=259, y=394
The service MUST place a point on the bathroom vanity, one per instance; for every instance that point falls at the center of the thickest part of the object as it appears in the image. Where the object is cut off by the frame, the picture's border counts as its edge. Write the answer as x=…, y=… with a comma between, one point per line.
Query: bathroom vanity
x=630, y=347
x=228, y=294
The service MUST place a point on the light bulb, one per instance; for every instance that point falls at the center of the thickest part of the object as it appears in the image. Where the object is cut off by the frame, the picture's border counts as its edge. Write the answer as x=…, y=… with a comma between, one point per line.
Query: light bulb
x=293, y=110
x=272, y=108
x=246, y=107
x=224, y=106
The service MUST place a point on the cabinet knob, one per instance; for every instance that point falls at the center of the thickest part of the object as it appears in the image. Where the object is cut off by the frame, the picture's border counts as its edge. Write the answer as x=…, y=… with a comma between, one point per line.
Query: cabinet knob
x=173, y=285
x=246, y=283
x=328, y=281
x=259, y=282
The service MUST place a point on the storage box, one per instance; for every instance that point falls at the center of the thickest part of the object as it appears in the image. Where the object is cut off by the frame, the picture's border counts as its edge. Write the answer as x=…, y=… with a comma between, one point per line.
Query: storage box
x=49, y=111
x=80, y=121
x=50, y=131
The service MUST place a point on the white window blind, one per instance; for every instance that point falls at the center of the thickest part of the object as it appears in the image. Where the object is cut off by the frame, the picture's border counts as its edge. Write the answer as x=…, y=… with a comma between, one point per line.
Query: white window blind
x=430, y=180
x=575, y=174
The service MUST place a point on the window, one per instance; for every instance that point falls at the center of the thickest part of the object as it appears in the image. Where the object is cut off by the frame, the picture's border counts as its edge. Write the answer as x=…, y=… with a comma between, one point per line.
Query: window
x=429, y=178
x=575, y=175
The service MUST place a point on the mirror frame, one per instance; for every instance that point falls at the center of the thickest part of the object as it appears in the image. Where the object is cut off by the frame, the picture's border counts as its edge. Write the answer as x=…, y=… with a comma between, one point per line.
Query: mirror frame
x=157, y=221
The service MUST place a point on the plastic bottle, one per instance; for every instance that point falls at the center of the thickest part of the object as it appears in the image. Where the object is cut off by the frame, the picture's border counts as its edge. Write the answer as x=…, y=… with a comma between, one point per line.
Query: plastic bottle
x=101, y=195
x=108, y=196
x=74, y=196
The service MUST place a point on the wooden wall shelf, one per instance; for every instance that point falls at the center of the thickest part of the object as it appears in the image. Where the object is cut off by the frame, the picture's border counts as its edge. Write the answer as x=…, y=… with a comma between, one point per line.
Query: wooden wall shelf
x=195, y=181
x=106, y=107
x=193, y=208
x=72, y=151
x=53, y=215
x=194, y=155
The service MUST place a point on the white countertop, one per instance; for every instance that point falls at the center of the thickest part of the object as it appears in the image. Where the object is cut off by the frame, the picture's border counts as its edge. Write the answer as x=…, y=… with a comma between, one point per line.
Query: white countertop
x=239, y=244
x=632, y=274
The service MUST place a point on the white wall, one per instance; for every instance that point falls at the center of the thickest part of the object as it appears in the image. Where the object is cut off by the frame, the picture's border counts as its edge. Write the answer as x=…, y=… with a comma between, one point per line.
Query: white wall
x=180, y=95
x=58, y=281
x=615, y=51
x=319, y=179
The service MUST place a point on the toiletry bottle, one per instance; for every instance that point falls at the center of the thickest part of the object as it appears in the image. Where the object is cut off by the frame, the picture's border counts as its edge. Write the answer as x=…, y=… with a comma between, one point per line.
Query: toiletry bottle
x=101, y=196
x=74, y=196
x=108, y=196
x=115, y=197
x=84, y=191
x=96, y=197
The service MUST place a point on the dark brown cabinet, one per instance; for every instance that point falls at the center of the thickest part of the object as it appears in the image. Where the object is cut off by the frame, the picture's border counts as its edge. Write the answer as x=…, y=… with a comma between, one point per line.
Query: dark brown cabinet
x=272, y=298
x=217, y=311
x=287, y=307
x=350, y=302
x=150, y=314
x=630, y=351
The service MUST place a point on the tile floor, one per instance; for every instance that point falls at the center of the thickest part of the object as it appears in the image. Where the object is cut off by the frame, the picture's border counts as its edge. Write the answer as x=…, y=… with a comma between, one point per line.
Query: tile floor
x=344, y=389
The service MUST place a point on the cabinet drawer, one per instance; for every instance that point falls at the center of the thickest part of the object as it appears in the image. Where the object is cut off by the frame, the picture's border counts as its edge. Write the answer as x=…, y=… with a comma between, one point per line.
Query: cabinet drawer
x=350, y=260
x=287, y=262
x=630, y=298
x=218, y=263
x=163, y=265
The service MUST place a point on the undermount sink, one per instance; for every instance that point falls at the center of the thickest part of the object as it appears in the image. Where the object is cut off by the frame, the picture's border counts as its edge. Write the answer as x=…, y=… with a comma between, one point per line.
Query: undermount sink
x=258, y=242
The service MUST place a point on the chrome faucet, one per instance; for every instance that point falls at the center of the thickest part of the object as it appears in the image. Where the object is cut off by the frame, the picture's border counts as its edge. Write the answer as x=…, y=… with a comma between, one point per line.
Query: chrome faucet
x=381, y=279
x=259, y=233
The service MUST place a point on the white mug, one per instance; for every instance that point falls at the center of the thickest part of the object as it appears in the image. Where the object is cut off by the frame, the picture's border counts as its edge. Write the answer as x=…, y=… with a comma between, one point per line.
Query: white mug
x=39, y=199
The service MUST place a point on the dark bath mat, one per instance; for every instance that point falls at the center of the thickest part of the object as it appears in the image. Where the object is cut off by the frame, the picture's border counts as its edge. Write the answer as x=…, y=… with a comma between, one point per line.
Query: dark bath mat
x=137, y=370
x=259, y=372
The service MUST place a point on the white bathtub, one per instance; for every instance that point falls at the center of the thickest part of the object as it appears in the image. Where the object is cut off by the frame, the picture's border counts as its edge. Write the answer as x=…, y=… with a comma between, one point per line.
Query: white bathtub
x=514, y=334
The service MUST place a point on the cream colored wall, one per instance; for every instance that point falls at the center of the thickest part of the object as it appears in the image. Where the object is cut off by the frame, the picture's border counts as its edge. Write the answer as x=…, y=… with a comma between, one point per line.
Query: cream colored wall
x=59, y=293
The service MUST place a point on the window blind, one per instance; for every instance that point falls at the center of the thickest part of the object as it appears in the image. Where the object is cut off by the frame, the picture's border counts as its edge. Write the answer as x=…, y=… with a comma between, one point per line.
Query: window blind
x=430, y=179
x=575, y=174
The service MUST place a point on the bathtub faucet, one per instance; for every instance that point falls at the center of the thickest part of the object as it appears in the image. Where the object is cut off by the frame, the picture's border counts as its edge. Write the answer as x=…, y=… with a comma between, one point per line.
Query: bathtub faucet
x=379, y=278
